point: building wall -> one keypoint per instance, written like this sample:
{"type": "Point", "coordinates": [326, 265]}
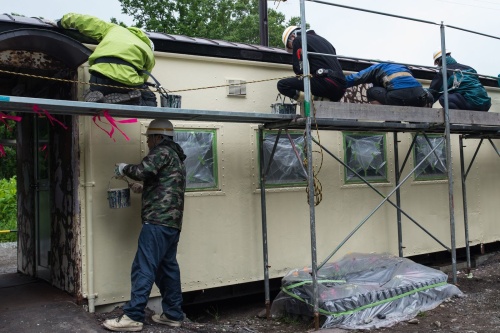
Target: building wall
{"type": "Point", "coordinates": [221, 241]}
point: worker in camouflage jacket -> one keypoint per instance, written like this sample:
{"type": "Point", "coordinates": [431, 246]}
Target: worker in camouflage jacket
{"type": "Point", "coordinates": [465, 91]}
{"type": "Point", "coordinates": [393, 84]}
{"type": "Point", "coordinates": [163, 175]}
{"type": "Point", "coordinates": [119, 60]}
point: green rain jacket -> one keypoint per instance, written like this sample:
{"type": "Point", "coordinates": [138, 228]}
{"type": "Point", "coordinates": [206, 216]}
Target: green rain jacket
{"type": "Point", "coordinates": [129, 44]}
{"type": "Point", "coordinates": [470, 87]}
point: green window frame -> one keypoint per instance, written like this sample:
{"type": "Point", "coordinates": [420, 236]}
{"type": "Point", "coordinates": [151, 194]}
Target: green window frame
{"type": "Point", "coordinates": [285, 169]}
{"type": "Point", "coordinates": [365, 153]}
{"type": "Point", "coordinates": [200, 147]}
{"type": "Point", "coordinates": [434, 167]}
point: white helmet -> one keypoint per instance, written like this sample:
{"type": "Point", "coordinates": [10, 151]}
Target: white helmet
{"type": "Point", "coordinates": [437, 55]}
{"type": "Point", "coordinates": [160, 126]}
{"type": "Point", "coordinates": [286, 34]}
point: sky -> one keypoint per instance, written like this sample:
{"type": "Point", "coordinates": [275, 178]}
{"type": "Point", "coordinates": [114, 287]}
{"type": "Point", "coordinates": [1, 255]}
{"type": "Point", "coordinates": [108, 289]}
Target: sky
{"type": "Point", "coordinates": [354, 33]}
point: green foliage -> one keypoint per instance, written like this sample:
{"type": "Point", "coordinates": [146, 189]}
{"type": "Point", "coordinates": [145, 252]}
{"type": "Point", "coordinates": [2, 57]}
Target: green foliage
{"type": "Point", "coordinates": [8, 162]}
{"type": "Point", "coordinates": [8, 209]}
{"type": "Point", "coordinates": [236, 21]}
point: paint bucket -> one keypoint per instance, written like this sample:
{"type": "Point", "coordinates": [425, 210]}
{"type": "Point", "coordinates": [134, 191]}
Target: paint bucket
{"type": "Point", "coordinates": [118, 197]}
{"type": "Point", "coordinates": [171, 101]}
{"type": "Point", "coordinates": [283, 108]}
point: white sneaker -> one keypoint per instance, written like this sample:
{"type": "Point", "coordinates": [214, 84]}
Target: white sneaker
{"type": "Point", "coordinates": [162, 319]}
{"type": "Point", "coordinates": [123, 324]}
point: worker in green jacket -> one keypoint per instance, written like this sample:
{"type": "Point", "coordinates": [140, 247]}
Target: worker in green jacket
{"type": "Point", "coordinates": [123, 59]}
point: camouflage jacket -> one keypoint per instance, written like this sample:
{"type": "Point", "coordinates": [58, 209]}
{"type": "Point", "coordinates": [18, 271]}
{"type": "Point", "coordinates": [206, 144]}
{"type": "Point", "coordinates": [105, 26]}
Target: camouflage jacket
{"type": "Point", "coordinates": [164, 178]}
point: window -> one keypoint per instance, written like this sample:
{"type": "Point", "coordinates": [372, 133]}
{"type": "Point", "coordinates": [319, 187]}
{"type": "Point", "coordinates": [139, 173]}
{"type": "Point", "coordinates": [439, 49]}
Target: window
{"type": "Point", "coordinates": [285, 169]}
{"type": "Point", "coordinates": [237, 88]}
{"type": "Point", "coordinates": [434, 167]}
{"type": "Point", "coordinates": [365, 153]}
{"type": "Point", "coordinates": [201, 162]}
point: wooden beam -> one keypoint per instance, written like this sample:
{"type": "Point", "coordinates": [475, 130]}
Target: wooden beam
{"type": "Point", "coordinates": [371, 112]}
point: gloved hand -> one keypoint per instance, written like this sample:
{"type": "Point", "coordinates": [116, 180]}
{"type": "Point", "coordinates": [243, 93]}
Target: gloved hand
{"type": "Point", "coordinates": [50, 22]}
{"type": "Point", "coordinates": [136, 187]}
{"type": "Point", "coordinates": [119, 169]}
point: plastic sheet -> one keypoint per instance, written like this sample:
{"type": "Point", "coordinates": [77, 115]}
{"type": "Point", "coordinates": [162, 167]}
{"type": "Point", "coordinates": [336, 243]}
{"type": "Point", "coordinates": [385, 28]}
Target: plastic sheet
{"type": "Point", "coordinates": [366, 157]}
{"type": "Point", "coordinates": [364, 291]}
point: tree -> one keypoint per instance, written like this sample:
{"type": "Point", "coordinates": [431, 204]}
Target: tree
{"type": "Point", "coordinates": [231, 20]}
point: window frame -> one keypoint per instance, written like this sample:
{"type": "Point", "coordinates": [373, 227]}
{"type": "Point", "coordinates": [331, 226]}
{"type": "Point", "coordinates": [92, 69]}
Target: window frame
{"type": "Point", "coordinates": [444, 175]}
{"type": "Point", "coordinates": [383, 179]}
{"type": "Point", "coordinates": [294, 184]}
{"type": "Point", "coordinates": [215, 166]}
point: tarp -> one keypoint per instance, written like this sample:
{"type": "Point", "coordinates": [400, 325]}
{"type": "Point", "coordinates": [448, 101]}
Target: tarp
{"type": "Point", "coordinates": [364, 291]}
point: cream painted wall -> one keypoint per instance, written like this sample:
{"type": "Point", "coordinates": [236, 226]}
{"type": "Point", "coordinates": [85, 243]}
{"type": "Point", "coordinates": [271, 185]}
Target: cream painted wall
{"type": "Point", "coordinates": [221, 242]}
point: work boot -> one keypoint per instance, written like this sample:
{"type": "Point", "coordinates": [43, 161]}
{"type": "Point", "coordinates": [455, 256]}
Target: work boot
{"type": "Point", "coordinates": [119, 98]}
{"type": "Point", "coordinates": [317, 98]}
{"type": "Point", "coordinates": [299, 97]}
{"type": "Point", "coordinates": [162, 319]}
{"type": "Point", "coordinates": [123, 324]}
{"type": "Point", "coordinates": [93, 96]}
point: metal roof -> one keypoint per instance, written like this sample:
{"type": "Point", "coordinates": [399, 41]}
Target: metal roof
{"type": "Point", "coordinates": [218, 48]}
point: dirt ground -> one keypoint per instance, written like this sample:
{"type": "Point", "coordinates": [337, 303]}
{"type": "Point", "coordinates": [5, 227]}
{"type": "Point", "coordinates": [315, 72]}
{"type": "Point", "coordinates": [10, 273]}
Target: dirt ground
{"type": "Point", "coordinates": [478, 311]}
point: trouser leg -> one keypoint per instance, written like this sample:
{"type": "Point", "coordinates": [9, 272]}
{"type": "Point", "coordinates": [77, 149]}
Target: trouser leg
{"type": "Point", "coordinates": [146, 261]}
{"type": "Point", "coordinates": [290, 87]}
{"type": "Point", "coordinates": [455, 101]}
{"type": "Point", "coordinates": [168, 277]}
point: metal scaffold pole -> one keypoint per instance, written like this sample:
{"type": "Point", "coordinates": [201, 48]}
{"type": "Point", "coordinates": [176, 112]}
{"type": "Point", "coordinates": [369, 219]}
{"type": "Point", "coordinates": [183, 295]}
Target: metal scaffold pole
{"type": "Point", "coordinates": [448, 155]}
{"type": "Point", "coordinates": [310, 171]}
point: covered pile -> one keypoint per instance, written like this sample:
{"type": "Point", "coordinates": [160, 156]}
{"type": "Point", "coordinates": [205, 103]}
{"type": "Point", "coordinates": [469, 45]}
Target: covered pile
{"type": "Point", "coordinates": [363, 291]}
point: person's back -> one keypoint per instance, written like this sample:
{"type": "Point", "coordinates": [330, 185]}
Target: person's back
{"type": "Point", "coordinates": [120, 63]}
{"type": "Point", "coordinates": [465, 91]}
{"type": "Point", "coordinates": [327, 78]}
{"type": "Point", "coordinates": [393, 84]}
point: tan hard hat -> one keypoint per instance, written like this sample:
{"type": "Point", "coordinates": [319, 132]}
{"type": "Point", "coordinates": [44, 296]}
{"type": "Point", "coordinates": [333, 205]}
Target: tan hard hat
{"type": "Point", "coordinates": [437, 55]}
{"type": "Point", "coordinates": [161, 127]}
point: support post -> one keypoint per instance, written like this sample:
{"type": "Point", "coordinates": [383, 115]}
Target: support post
{"type": "Point", "coordinates": [398, 193]}
{"type": "Point", "coordinates": [464, 198]}
{"type": "Point", "coordinates": [264, 223]}
{"type": "Point", "coordinates": [310, 172]}
{"type": "Point", "coordinates": [448, 157]}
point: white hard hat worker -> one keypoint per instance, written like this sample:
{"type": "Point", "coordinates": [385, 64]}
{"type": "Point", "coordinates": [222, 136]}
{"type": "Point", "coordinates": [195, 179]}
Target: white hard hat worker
{"type": "Point", "coordinates": [158, 131]}
{"type": "Point", "coordinates": [288, 35]}
{"type": "Point", "coordinates": [437, 56]}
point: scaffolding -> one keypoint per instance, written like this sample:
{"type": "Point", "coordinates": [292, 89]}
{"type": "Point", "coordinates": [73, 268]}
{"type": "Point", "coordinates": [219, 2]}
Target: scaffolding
{"type": "Point", "coordinates": [447, 122]}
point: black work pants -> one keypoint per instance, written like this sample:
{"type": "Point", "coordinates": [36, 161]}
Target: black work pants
{"type": "Point", "coordinates": [405, 97]}
{"type": "Point", "coordinates": [328, 87]}
{"type": "Point", "coordinates": [457, 101]}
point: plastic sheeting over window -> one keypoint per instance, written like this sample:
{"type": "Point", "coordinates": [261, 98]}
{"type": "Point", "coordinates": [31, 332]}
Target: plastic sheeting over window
{"type": "Point", "coordinates": [435, 165]}
{"type": "Point", "coordinates": [201, 166]}
{"type": "Point", "coordinates": [285, 168]}
{"type": "Point", "coordinates": [364, 291]}
{"type": "Point", "coordinates": [364, 153]}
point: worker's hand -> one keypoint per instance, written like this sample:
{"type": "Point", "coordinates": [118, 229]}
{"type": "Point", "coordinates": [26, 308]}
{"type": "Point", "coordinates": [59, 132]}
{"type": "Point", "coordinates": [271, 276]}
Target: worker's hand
{"type": "Point", "coordinates": [49, 22]}
{"type": "Point", "coordinates": [119, 169]}
{"type": "Point", "coordinates": [136, 187]}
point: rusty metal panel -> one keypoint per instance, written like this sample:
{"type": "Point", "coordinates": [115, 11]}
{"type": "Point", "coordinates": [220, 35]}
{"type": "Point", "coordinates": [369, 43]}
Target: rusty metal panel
{"type": "Point", "coordinates": [29, 59]}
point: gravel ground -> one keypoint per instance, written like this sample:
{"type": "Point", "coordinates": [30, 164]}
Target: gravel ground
{"type": "Point", "coordinates": [477, 312]}
{"type": "Point", "coordinates": [8, 256]}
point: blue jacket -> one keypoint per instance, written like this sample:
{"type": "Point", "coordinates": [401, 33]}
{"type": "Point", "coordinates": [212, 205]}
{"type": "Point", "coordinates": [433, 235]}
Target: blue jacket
{"type": "Point", "coordinates": [470, 87]}
{"type": "Point", "coordinates": [389, 76]}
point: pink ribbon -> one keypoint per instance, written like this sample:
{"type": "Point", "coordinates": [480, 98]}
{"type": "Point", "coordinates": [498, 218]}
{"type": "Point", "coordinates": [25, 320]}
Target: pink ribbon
{"type": "Point", "coordinates": [41, 112]}
{"type": "Point", "coordinates": [4, 116]}
{"type": "Point", "coordinates": [113, 123]}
